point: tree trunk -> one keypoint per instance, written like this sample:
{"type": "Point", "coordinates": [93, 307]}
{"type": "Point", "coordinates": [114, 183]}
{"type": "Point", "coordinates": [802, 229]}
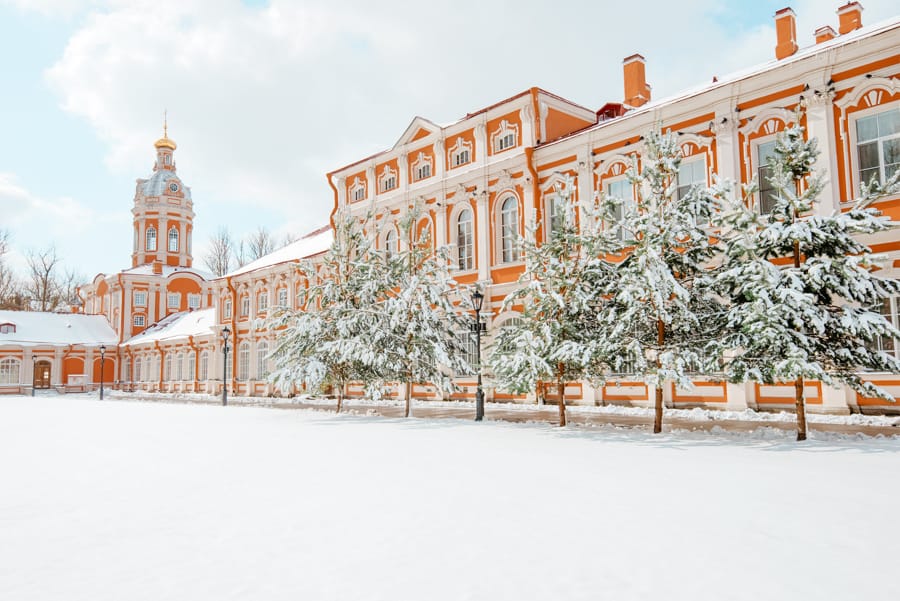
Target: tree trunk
{"type": "Point", "coordinates": [658, 413]}
{"type": "Point", "coordinates": [340, 399]}
{"type": "Point", "coordinates": [798, 385]}
{"type": "Point", "coordinates": [801, 409]}
{"type": "Point", "coordinates": [561, 392]}
{"type": "Point", "coordinates": [408, 396]}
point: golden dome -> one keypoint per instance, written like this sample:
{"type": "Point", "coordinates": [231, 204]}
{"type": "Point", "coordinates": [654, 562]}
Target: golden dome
{"type": "Point", "coordinates": [165, 142]}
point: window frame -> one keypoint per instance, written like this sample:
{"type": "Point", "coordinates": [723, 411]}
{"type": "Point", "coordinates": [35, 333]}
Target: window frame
{"type": "Point", "coordinates": [508, 244]}
{"type": "Point", "coordinates": [243, 361]}
{"type": "Point", "coordinates": [469, 243]}
{"type": "Point", "coordinates": [262, 360]}
{"type": "Point", "coordinates": [627, 203]}
{"type": "Point", "coordinates": [757, 165]}
{"type": "Point", "coordinates": [173, 240]}
{"type": "Point", "coordinates": [150, 236]}
{"type": "Point", "coordinates": [855, 118]}
{"type": "Point", "coordinates": [12, 371]}
{"type": "Point", "coordinates": [139, 318]}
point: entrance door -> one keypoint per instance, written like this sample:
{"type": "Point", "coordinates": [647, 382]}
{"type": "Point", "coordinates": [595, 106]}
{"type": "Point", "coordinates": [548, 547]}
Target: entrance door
{"type": "Point", "coordinates": [42, 374]}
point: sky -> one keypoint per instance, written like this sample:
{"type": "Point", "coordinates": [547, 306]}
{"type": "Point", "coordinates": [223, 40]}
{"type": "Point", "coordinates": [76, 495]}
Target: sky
{"type": "Point", "coordinates": [264, 97]}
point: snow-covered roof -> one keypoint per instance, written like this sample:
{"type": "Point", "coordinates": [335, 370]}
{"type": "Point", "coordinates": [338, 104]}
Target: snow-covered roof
{"type": "Point", "coordinates": [167, 270]}
{"type": "Point", "coordinates": [310, 245]}
{"type": "Point", "coordinates": [158, 184]}
{"type": "Point", "coordinates": [36, 328]}
{"type": "Point", "coordinates": [177, 325]}
{"type": "Point", "coordinates": [803, 53]}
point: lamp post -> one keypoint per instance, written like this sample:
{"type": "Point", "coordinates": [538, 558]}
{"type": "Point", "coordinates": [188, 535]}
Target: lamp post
{"type": "Point", "coordinates": [102, 361]}
{"type": "Point", "coordinates": [477, 302]}
{"type": "Point", "coordinates": [33, 374]}
{"type": "Point", "coordinates": [225, 333]}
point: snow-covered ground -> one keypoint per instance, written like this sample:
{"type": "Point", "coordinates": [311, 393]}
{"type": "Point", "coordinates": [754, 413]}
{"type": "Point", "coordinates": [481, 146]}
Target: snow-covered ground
{"type": "Point", "coordinates": [126, 500]}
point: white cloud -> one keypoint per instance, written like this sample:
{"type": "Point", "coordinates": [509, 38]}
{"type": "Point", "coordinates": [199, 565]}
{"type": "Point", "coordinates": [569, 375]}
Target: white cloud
{"type": "Point", "coordinates": [37, 222]}
{"type": "Point", "coordinates": [264, 101]}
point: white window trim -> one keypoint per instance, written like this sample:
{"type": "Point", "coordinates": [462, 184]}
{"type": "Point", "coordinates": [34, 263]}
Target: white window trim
{"type": "Point", "coordinates": [455, 232]}
{"type": "Point", "coordinates": [755, 166]}
{"type": "Point", "coordinates": [139, 318]}
{"type": "Point", "coordinates": [386, 174]}
{"type": "Point", "coordinates": [853, 162]}
{"type": "Point", "coordinates": [194, 301]}
{"type": "Point", "coordinates": [148, 237]}
{"type": "Point", "coordinates": [357, 190]}
{"type": "Point", "coordinates": [422, 162]}
{"type": "Point", "coordinates": [498, 137]}
{"type": "Point", "coordinates": [13, 370]}
{"type": "Point", "coordinates": [385, 239]}
{"type": "Point", "coordinates": [462, 145]}
{"type": "Point", "coordinates": [516, 251]}
{"type": "Point", "coordinates": [170, 296]}
{"type": "Point", "coordinates": [138, 295]}
{"type": "Point", "coordinates": [172, 236]}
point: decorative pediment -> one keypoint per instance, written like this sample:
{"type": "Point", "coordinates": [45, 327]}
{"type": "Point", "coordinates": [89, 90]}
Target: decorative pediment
{"type": "Point", "coordinates": [418, 129]}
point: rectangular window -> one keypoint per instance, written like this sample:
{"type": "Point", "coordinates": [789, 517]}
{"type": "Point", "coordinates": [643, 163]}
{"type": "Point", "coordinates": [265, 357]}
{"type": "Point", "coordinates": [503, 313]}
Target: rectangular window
{"type": "Point", "coordinates": [140, 299]}
{"type": "Point", "coordinates": [878, 145]}
{"type": "Point", "coordinates": [282, 297]}
{"type": "Point", "coordinates": [245, 306]}
{"type": "Point", "coordinates": [262, 302]}
{"type": "Point", "coordinates": [388, 183]}
{"type": "Point", "coordinates": [226, 308]}
{"type": "Point", "coordinates": [423, 172]}
{"type": "Point", "coordinates": [504, 142]}
{"type": "Point", "coordinates": [622, 189]}
{"type": "Point", "coordinates": [461, 158]}
{"type": "Point", "coordinates": [469, 351]}
{"type": "Point", "coordinates": [359, 193]}
{"type": "Point", "coordinates": [767, 194]}
{"type": "Point", "coordinates": [174, 300]}
{"type": "Point", "coordinates": [690, 174]}
{"type": "Point", "coordinates": [139, 321]}
{"type": "Point", "coordinates": [556, 209]}
{"type": "Point", "coordinates": [890, 309]}
{"type": "Point", "coordinates": [193, 301]}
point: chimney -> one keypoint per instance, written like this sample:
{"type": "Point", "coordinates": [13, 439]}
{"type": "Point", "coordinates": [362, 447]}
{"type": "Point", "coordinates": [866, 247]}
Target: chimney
{"type": "Point", "coordinates": [157, 268]}
{"type": "Point", "coordinates": [637, 92]}
{"type": "Point", "coordinates": [825, 33]}
{"type": "Point", "coordinates": [786, 33]}
{"type": "Point", "coordinates": [849, 17]}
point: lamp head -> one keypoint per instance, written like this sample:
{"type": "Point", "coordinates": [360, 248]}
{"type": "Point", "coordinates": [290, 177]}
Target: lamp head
{"type": "Point", "coordinates": [477, 300]}
{"type": "Point", "coordinates": [226, 333]}
{"type": "Point", "coordinates": [102, 350]}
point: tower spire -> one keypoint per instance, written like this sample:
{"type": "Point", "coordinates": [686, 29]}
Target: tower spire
{"type": "Point", "coordinates": [165, 123]}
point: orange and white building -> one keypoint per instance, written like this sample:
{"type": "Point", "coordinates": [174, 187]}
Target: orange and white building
{"type": "Point", "coordinates": [484, 177]}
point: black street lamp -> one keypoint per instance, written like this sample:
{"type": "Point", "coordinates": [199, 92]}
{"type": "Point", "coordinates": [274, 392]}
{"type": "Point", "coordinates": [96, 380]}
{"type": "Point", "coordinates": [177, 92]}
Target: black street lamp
{"type": "Point", "coordinates": [33, 374]}
{"type": "Point", "coordinates": [477, 302]}
{"type": "Point", "coordinates": [225, 333]}
{"type": "Point", "coordinates": [102, 361]}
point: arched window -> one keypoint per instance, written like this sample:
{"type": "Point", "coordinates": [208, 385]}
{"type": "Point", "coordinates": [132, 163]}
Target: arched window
{"type": "Point", "coordinates": [173, 239]}
{"type": "Point", "coordinates": [465, 242]}
{"type": "Point", "coordinates": [262, 360]}
{"type": "Point", "coordinates": [9, 371]}
{"type": "Point", "coordinates": [151, 238]}
{"type": "Point", "coordinates": [204, 366]}
{"type": "Point", "coordinates": [167, 369]}
{"type": "Point", "coordinates": [244, 361]}
{"type": "Point", "coordinates": [390, 242]}
{"type": "Point", "coordinates": [137, 369]}
{"type": "Point", "coordinates": [179, 365]}
{"type": "Point", "coordinates": [509, 229]}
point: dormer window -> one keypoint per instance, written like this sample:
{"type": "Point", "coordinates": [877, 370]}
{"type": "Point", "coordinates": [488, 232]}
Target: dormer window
{"type": "Point", "coordinates": [358, 190]}
{"type": "Point", "coordinates": [7, 328]}
{"type": "Point", "coordinates": [505, 137]}
{"type": "Point", "coordinates": [421, 167]}
{"type": "Point", "coordinates": [387, 181]}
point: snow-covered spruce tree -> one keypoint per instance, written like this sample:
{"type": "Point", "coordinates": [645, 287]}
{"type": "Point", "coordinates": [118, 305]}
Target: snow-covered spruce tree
{"type": "Point", "coordinates": [328, 341]}
{"type": "Point", "coordinates": [419, 329]}
{"type": "Point", "coordinates": [564, 280]}
{"type": "Point", "coordinates": [804, 298]}
{"type": "Point", "coordinates": [661, 319]}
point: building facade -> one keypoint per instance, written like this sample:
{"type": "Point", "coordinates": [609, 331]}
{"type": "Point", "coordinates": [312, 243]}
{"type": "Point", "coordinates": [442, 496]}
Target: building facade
{"type": "Point", "coordinates": [485, 177]}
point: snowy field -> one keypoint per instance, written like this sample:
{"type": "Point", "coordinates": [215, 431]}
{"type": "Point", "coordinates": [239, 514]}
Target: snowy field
{"type": "Point", "coordinates": [148, 501]}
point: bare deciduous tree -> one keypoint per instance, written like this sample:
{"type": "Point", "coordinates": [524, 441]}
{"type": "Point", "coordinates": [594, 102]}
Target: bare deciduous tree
{"type": "Point", "coordinates": [11, 296]}
{"type": "Point", "coordinates": [219, 256]}
{"type": "Point", "coordinates": [42, 285]}
{"type": "Point", "coordinates": [259, 244]}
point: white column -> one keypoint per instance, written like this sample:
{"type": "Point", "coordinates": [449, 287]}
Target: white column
{"type": "Point", "coordinates": [440, 222]}
{"type": "Point", "coordinates": [820, 125]}
{"type": "Point", "coordinates": [56, 376]}
{"type": "Point", "coordinates": [481, 143]}
{"type": "Point", "coordinates": [728, 147]}
{"type": "Point", "coordinates": [736, 396]}
{"type": "Point", "coordinates": [440, 158]}
{"type": "Point", "coordinates": [483, 233]}
{"type": "Point", "coordinates": [182, 243]}
{"type": "Point", "coordinates": [834, 400]}
{"type": "Point", "coordinates": [528, 134]}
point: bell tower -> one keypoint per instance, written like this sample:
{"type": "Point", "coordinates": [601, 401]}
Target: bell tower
{"type": "Point", "coordinates": [163, 212]}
